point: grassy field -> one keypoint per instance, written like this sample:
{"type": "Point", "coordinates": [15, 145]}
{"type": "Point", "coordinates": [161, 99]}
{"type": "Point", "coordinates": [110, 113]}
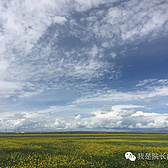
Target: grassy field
{"type": "Point", "coordinates": [83, 150]}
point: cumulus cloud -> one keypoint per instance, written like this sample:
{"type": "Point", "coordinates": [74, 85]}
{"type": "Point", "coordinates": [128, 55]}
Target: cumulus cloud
{"type": "Point", "coordinates": [1, 121]}
{"type": "Point", "coordinates": [119, 117]}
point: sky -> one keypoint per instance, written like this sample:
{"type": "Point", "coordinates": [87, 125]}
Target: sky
{"type": "Point", "coordinates": [84, 65]}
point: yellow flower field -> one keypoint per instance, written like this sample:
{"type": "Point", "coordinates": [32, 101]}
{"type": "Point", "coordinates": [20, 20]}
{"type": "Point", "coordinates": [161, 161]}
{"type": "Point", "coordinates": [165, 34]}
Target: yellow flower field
{"type": "Point", "coordinates": [83, 150]}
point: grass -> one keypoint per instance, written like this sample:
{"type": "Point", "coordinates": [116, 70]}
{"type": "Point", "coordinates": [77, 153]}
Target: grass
{"type": "Point", "coordinates": [81, 150]}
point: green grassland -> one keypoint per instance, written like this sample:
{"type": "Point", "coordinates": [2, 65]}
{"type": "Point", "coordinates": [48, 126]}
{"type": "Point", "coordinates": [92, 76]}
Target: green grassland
{"type": "Point", "coordinates": [82, 150]}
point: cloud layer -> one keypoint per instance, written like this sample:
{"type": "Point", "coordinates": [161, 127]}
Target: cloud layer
{"type": "Point", "coordinates": [76, 45]}
{"type": "Point", "coordinates": [64, 41]}
{"type": "Point", "coordinates": [115, 118]}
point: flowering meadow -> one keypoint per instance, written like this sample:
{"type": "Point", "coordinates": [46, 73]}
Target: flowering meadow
{"type": "Point", "coordinates": [83, 150]}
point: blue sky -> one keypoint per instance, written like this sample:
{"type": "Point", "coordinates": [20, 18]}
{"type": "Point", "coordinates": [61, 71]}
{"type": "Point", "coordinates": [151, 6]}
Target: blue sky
{"type": "Point", "coordinates": [84, 65]}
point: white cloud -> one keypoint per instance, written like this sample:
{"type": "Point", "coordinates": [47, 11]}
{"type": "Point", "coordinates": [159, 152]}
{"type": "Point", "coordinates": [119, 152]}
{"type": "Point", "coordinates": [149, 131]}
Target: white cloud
{"type": "Point", "coordinates": [3, 65]}
{"type": "Point", "coordinates": [3, 68]}
{"type": "Point", "coordinates": [163, 81]}
{"type": "Point", "coordinates": [9, 88]}
{"type": "Point", "coordinates": [159, 91]}
{"type": "Point", "coordinates": [1, 121]}
{"type": "Point", "coordinates": [106, 44]}
{"type": "Point", "coordinates": [113, 55]}
{"type": "Point", "coordinates": [147, 91]}
{"type": "Point", "coordinates": [44, 45]}
{"type": "Point", "coordinates": [35, 34]}
{"type": "Point", "coordinates": [59, 19]}
{"type": "Point", "coordinates": [131, 21]}
{"type": "Point", "coordinates": [83, 5]}
{"type": "Point", "coordinates": [119, 107]}
{"type": "Point", "coordinates": [120, 117]}
{"type": "Point", "coordinates": [149, 100]}
{"type": "Point", "coordinates": [146, 82]}
{"type": "Point", "coordinates": [113, 95]}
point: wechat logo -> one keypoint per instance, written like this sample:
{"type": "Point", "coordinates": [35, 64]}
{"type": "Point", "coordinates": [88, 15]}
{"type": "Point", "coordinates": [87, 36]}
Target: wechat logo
{"type": "Point", "coordinates": [130, 156]}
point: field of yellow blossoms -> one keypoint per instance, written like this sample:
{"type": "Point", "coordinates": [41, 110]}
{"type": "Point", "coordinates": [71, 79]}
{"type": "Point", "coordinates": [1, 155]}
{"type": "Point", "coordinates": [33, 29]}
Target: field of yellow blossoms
{"type": "Point", "coordinates": [83, 150]}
